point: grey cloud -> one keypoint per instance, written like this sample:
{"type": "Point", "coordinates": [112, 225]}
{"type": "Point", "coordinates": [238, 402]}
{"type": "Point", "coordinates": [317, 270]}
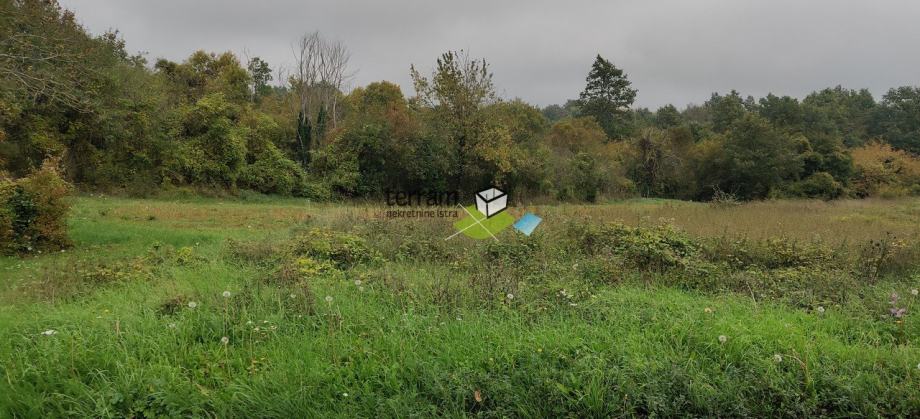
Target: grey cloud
{"type": "Point", "coordinates": [675, 51]}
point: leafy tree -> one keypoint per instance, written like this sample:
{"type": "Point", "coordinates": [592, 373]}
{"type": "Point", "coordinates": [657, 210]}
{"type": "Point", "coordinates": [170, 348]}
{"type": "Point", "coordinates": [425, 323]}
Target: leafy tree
{"type": "Point", "coordinates": [381, 134]}
{"type": "Point", "coordinates": [839, 112]}
{"type": "Point", "coordinates": [751, 160]}
{"type": "Point", "coordinates": [668, 116]}
{"type": "Point", "coordinates": [583, 164]}
{"type": "Point", "coordinates": [212, 149]}
{"type": "Point", "coordinates": [509, 156]}
{"type": "Point", "coordinates": [658, 163]}
{"type": "Point", "coordinates": [725, 110]}
{"type": "Point", "coordinates": [554, 113]}
{"type": "Point", "coordinates": [607, 97]}
{"type": "Point", "coordinates": [46, 56]}
{"type": "Point", "coordinates": [260, 74]}
{"type": "Point", "coordinates": [783, 112]}
{"type": "Point", "coordinates": [206, 73]}
{"type": "Point", "coordinates": [897, 119]}
{"type": "Point", "coordinates": [456, 94]}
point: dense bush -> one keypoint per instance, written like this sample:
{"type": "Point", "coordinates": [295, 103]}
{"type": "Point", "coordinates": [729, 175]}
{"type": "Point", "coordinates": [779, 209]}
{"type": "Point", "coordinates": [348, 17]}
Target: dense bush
{"type": "Point", "coordinates": [818, 185]}
{"type": "Point", "coordinates": [657, 248]}
{"type": "Point", "coordinates": [884, 171]}
{"type": "Point", "coordinates": [273, 173]}
{"type": "Point", "coordinates": [33, 212]}
{"type": "Point", "coordinates": [212, 122]}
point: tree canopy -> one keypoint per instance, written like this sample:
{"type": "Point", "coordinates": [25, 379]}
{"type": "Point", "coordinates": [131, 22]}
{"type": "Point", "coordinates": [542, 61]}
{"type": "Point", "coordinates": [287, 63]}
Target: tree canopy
{"type": "Point", "coordinates": [215, 122]}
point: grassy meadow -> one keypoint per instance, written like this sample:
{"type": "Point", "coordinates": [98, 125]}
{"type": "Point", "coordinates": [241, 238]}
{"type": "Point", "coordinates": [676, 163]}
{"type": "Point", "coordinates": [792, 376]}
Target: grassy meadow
{"type": "Point", "coordinates": [281, 307]}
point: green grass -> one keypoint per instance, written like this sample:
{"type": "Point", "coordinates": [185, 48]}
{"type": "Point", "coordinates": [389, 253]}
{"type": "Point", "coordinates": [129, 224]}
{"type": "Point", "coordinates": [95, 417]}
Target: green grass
{"type": "Point", "coordinates": [423, 331]}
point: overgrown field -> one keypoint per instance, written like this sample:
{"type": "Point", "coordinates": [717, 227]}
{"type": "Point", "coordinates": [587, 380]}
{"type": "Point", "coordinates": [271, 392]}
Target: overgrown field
{"type": "Point", "coordinates": [281, 308]}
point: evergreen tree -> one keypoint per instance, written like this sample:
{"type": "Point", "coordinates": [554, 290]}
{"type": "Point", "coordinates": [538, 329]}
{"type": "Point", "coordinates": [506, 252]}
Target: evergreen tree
{"type": "Point", "coordinates": [607, 97]}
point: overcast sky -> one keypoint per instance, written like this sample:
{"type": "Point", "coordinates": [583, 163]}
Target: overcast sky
{"type": "Point", "coordinates": [674, 51]}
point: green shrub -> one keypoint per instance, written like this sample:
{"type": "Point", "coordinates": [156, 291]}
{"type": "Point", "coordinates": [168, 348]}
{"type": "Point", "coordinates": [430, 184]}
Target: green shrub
{"type": "Point", "coordinates": [273, 173]}
{"type": "Point", "coordinates": [341, 249]}
{"type": "Point", "coordinates": [656, 248]}
{"type": "Point", "coordinates": [33, 212]}
{"type": "Point", "coordinates": [818, 185]}
{"type": "Point", "coordinates": [773, 253]}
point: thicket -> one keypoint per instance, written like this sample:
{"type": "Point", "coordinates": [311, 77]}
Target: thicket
{"type": "Point", "coordinates": [212, 122]}
{"type": "Point", "coordinates": [33, 212]}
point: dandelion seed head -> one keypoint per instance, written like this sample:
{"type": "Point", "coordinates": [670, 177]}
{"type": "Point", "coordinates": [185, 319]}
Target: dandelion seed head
{"type": "Point", "coordinates": [358, 282]}
{"type": "Point", "coordinates": [777, 358]}
{"type": "Point", "coordinates": [226, 294]}
{"type": "Point", "coordinates": [820, 310]}
{"type": "Point", "coordinates": [171, 325]}
{"type": "Point", "coordinates": [510, 296]}
{"type": "Point", "coordinates": [292, 296]}
{"type": "Point", "coordinates": [225, 340]}
{"type": "Point", "coordinates": [723, 338]}
{"type": "Point", "coordinates": [914, 291]}
{"type": "Point", "coordinates": [49, 332]}
{"type": "Point", "coordinates": [192, 304]}
{"type": "Point", "coordinates": [328, 298]}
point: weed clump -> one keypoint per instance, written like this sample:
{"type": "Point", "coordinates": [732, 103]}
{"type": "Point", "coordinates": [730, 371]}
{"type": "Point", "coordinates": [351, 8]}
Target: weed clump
{"type": "Point", "coordinates": [342, 250]}
{"type": "Point", "coordinates": [651, 249]}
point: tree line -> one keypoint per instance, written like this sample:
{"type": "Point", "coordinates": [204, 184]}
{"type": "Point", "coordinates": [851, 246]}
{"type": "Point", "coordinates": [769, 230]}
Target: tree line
{"type": "Point", "coordinates": [115, 122]}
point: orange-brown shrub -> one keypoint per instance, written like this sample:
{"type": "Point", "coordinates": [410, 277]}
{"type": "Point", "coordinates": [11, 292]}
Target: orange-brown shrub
{"type": "Point", "coordinates": [33, 211]}
{"type": "Point", "coordinates": [885, 172]}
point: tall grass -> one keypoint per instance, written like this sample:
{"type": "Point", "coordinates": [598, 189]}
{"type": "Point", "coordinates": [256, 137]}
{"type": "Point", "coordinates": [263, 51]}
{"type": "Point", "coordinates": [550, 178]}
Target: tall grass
{"type": "Point", "coordinates": [635, 308]}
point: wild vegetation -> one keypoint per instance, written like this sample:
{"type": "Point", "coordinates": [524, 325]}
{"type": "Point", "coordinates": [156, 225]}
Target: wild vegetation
{"type": "Point", "coordinates": [207, 238]}
{"type": "Point", "coordinates": [214, 123]}
{"type": "Point", "coordinates": [203, 307]}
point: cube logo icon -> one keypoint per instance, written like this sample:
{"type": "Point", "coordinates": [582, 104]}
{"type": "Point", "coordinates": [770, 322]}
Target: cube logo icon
{"type": "Point", "coordinates": [491, 201]}
{"type": "Point", "coordinates": [488, 217]}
